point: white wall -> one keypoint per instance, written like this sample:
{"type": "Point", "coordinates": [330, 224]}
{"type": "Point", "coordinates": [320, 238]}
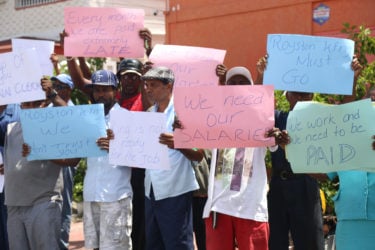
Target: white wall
{"type": "Point", "coordinates": [47, 21]}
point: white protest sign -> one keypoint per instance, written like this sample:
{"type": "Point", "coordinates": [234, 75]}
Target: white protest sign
{"type": "Point", "coordinates": [136, 142]}
{"type": "Point", "coordinates": [44, 49]}
{"type": "Point", "coordinates": [20, 76]}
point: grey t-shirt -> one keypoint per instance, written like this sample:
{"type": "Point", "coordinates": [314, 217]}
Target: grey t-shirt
{"type": "Point", "coordinates": [28, 182]}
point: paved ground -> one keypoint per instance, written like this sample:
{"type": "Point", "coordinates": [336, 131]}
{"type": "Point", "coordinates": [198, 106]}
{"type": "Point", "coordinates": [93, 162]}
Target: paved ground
{"type": "Point", "coordinates": [76, 240]}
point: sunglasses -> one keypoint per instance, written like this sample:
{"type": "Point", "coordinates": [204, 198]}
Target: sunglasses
{"type": "Point", "coordinates": [59, 86]}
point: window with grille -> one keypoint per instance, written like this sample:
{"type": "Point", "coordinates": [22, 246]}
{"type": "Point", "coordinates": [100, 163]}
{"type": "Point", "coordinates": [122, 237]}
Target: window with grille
{"type": "Point", "coordinates": [29, 3]}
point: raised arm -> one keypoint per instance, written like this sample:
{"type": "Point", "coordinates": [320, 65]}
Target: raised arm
{"type": "Point", "coordinates": [221, 71]}
{"type": "Point", "coordinates": [51, 94]}
{"type": "Point", "coordinates": [75, 71]}
{"type": "Point", "coordinates": [146, 35]}
{"type": "Point", "coordinates": [55, 62]}
{"type": "Point", "coordinates": [86, 72]}
{"type": "Point", "coordinates": [77, 77]}
{"type": "Point", "coordinates": [261, 67]}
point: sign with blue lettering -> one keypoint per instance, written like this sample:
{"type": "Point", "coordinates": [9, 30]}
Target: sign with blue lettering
{"type": "Point", "coordinates": [327, 138]}
{"type": "Point", "coordinates": [310, 64]}
{"type": "Point", "coordinates": [63, 132]}
{"type": "Point", "coordinates": [20, 75]}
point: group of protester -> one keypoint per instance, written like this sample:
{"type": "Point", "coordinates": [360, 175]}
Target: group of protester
{"type": "Point", "coordinates": [131, 208]}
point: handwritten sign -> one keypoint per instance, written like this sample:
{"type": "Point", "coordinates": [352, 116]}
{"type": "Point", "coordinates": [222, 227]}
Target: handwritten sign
{"type": "Point", "coordinates": [44, 49]}
{"type": "Point", "coordinates": [63, 132]}
{"type": "Point", "coordinates": [224, 116]}
{"type": "Point", "coordinates": [310, 64]}
{"type": "Point", "coordinates": [327, 138]}
{"type": "Point", "coordinates": [103, 32]}
{"type": "Point", "coordinates": [192, 66]}
{"type": "Point", "coordinates": [136, 142]}
{"type": "Point", "coordinates": [20, 75]}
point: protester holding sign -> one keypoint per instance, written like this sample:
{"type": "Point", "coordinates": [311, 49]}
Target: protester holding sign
{"type": "Point", "coordinates": [169, 192]}
{"type": "Point", "coordinates": [33, 192]}
{"type": "Point", "coordinates": [299, 191]}
{"type": "Point", "coordinates": [355, 202]}
{"type": "Point", "coordinates": [62, 85]}
{"type": "Point", "coordinates": [107, 192]}
{"type": "Point", "coordinates": [131, 96]}
{"type": "Point", "coordinates": [293, 199]}
{"type": "Point", "coordinates": [237, 175]}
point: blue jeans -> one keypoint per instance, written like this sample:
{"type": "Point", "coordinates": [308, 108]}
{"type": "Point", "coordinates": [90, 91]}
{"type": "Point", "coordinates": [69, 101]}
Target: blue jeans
{"type": "Point", "coordinates": [66, 213]}
{"type": "Point", "coordinates": [169, 223]}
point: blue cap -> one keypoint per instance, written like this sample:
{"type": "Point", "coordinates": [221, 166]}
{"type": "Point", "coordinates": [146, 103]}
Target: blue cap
{"type": "Point", "coordinates": [104, 78]}
{"type": "Point", "coordinates": [65, 79]}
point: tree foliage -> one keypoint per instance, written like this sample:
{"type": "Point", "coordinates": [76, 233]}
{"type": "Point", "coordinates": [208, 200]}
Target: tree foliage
{"type": "Point", "coordinates": [364, 48]}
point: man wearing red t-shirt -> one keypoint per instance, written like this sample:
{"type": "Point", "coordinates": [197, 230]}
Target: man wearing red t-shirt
{"type": "Point", "coordinates": [131, 95]}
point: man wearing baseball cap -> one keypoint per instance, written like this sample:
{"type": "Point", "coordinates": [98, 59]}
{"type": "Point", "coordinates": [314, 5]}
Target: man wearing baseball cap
{"type": "Point", "coordinates": [169, 193]}
{"type": "Point", "coordinates": [107, 192]}
{"type": "Point", "coordinates": [132, 97]}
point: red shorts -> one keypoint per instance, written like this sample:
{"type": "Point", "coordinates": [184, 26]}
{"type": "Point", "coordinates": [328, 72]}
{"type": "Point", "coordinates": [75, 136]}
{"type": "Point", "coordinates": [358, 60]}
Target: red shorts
{"type": "Point", "coordinates": [249, 234]}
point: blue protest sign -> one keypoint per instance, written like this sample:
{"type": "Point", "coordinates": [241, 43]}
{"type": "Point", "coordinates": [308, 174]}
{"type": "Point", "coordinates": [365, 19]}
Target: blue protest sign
{"type": "Point", "coordinates": [63, 132]}
{"type": "Point", "coordinates": [310, 64]}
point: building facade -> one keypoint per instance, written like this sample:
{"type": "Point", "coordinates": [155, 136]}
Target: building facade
{"type": "Point", "coordinates": [241, 27]}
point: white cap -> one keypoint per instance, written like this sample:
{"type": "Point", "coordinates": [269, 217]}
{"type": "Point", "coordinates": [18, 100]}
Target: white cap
{"type": "Point", "coordinates": [239, 71]}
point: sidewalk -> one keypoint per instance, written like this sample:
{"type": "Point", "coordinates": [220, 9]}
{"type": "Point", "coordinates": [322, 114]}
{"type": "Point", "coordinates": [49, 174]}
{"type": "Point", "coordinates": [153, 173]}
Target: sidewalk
{"type": "Point", "coordinates": [76, 239]}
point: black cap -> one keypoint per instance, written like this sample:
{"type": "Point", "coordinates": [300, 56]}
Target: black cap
{"type": "Point", "coordinates": [130, 66]}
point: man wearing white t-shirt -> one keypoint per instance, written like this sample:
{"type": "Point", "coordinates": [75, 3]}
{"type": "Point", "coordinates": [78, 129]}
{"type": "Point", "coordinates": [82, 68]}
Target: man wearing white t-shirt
{"type": "Point", "coordinates": [236, 208]}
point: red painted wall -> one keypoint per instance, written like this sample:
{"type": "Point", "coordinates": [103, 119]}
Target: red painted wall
{"type": "Point", "coordinates": [241, 26]}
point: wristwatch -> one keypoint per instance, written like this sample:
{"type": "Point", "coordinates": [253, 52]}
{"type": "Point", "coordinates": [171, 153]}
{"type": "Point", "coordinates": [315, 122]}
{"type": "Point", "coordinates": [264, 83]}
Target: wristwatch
{"type": "Point", "coordinates": [52, 95]}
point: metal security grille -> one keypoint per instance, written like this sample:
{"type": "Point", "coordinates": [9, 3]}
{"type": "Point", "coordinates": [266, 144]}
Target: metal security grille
{"type": "Point", "coordinates": [29, 3]}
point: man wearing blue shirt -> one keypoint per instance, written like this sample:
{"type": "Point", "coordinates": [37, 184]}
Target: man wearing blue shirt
{"type": "Point", "coordinates": [169, 193]}
{"type": "Point", "coordinates": [107, 192]}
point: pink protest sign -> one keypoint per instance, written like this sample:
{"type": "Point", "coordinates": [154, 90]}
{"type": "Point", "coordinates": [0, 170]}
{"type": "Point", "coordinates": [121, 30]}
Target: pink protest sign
{"type": "Point", "coordinates": [224, 116]}
{"type": "Point", "coordinates": [192, 66]}
{"type": "Point", "coordinates": [103, 32]}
